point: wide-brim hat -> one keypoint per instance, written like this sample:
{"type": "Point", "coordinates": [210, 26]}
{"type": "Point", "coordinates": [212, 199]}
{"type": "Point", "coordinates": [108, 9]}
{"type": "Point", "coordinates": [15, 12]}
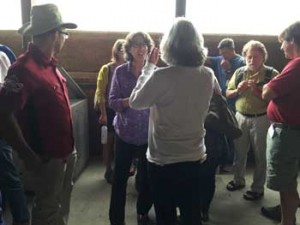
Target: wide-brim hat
{"type": "Point", "coordinates": [44, 18]}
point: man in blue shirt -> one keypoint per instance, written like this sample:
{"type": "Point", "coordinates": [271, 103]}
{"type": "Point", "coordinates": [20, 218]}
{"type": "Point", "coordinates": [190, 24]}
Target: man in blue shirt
{"type": "Point", "coordinates": [224, 66]}
{"type": "Point", "coordinates": [226, 63]}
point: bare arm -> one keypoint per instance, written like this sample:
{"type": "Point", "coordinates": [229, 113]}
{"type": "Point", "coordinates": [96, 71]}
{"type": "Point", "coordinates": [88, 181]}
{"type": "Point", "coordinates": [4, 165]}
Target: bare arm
{"type": "Point", "coordinates": [267, 93]}
{"type": "Point", "coordinates": [103, 116]}
{"type": "Point", "coordinates": [241, 88]}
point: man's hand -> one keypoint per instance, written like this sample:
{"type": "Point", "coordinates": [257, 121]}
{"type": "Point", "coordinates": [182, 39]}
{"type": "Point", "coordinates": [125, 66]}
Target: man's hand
{"type": "Point", "coordinates": [225, 64]}
{"type": "Point", "coordinates": [31, 160]}
{"type": "Point", "coordinates": [243, 86]}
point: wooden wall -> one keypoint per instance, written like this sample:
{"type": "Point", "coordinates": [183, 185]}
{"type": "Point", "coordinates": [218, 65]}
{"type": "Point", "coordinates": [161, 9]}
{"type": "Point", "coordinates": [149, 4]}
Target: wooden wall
{"type": "Point", "coordinates": [85, 52]}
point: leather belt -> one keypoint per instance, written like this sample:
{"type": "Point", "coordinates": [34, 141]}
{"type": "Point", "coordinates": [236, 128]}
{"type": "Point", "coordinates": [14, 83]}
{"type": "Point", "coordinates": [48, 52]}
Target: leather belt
{"type": "Point", "coordinates": [253, 115]}
{"type": "Point", "coordinates": [286, 126]}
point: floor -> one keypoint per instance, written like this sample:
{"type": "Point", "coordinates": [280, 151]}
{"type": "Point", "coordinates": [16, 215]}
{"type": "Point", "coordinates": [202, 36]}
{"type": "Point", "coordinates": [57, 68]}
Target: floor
{"type": "Point", "coordinates": [91, 195]}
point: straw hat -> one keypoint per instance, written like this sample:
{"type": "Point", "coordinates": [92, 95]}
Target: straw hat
{"type": "Point", "coordinates": [44, 18]}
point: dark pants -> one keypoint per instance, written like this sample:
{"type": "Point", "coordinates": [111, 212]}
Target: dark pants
{"type": "Point", "coordinates": [209, 185]}
{"type": "Point", "coordinates": [124, 155]}
{"type": "Point", "coordinates": [227, 151]}
{"type": "Point", "coordinates": [177, 185]}
{"type": "Point", "coordinates": [11, 185]}
{"type": "Point", "coordinates": [1, 213]}
{"type": "Point", "coordinates": [214, 145]}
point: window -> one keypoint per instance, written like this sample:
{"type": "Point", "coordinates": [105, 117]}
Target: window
{"type": "Point", "coordinates": [10, 16]}
{"type": "Point", "coordinates": [210, 16]}
{"type": "Point", "coordinates": [237, 17]}
{"type": "Point", "coordinates": [117, 15]}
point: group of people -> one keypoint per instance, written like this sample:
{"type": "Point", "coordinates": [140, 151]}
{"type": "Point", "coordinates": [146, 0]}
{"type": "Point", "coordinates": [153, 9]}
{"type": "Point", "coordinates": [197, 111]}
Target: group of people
{"type": "Point", "coordinates": [241, 79]}
{"type": "Point", "coordinates": [158, 116]}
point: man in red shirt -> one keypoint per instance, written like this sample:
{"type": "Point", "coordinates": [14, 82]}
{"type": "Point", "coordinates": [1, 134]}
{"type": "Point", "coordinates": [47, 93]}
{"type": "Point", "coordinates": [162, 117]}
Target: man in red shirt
{"type": "Point", "coordinates": [283, 140]}
{"type": "Point", "coordinates": [35, 115]}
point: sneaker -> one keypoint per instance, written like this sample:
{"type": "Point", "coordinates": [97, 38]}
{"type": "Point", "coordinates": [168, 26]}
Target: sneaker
{"type": "Point", "coordinates": [253, 195]}
{"type": "Point", "coordinates": [273, 213]}
{"type": "Point", "coordinates": [232, 186]}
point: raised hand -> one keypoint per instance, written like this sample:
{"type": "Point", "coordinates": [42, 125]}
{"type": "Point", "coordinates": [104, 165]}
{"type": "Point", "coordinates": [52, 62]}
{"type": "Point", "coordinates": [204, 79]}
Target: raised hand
{"type": "Point", "coordinates": [154, 56]}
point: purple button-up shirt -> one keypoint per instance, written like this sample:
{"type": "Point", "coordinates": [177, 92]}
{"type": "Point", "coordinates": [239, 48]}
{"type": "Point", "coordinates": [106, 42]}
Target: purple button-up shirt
{"type": "Point", "coordinates": [131, 125]}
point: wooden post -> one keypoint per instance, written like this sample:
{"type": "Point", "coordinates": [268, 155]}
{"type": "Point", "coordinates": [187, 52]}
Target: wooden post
{"type": "Point", "coordinates": [180, 8]}
{"type": "Point", "coordinates": [25, 9]}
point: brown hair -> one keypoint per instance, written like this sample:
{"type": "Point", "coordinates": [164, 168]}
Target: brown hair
{"type": "Point", "coordinates": [129, 42]}
{"type": "Point", "coordinates": [290, 33]}
{"type": "Point", "coordinates": [118, 46]}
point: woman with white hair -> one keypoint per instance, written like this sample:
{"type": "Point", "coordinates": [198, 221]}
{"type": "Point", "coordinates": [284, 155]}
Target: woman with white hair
{"type": "Point", "coordinates": [178, 97]}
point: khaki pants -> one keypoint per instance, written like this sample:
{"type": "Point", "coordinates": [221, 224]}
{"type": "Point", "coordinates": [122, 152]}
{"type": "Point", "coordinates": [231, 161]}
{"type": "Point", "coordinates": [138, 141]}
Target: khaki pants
{"type": "Point", "coordinates": [52, 185]}
{"type": "Point", "coordinates": [254, 133]}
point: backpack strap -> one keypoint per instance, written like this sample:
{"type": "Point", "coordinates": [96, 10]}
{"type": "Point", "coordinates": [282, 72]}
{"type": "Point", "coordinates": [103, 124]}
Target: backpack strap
{"type": "Point", "coordinates": [239, 76]}
{"type": "Point", "coordinates": [268, 76]}
{"type": "Point", "coordinates": [268, 73]}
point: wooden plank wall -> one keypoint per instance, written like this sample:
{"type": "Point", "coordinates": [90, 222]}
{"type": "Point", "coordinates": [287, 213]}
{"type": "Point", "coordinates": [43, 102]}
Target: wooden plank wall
{"type": "Point", "coordinates": [85, 52]}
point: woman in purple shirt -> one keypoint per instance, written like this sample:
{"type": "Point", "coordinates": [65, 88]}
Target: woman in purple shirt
{"type": "Point", "coordinates": [131, 128]}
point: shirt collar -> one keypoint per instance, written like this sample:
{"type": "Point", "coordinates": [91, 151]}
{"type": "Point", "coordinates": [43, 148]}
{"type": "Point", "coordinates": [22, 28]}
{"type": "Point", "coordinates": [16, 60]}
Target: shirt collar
{"type": "Point", "coordinates": [40, 57]}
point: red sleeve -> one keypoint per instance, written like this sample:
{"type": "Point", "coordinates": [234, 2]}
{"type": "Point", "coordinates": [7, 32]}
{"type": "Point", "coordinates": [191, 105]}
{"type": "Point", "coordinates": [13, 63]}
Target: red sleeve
{"type": "Point", "coordinates": [288, 80]}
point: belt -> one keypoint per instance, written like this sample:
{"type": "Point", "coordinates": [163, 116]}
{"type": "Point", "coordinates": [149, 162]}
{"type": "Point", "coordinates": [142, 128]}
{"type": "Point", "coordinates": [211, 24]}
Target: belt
{"type": "Point", "coordinates": [253, 115]}
{"type": "Point", "coordinates": [286, 126]}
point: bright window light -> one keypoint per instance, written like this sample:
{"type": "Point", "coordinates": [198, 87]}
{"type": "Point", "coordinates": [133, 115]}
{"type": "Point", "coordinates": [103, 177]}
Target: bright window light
{"type": "Point", "coordinates": [260, 17]}
{"type": "Point", "coordinates": [210, 16]}
{"type": "Point", "coordinates": [10, 16]}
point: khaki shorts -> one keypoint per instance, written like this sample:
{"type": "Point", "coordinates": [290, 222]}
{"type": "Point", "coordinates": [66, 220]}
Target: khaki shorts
{"type": "Point", "coordinates": [283, 154]}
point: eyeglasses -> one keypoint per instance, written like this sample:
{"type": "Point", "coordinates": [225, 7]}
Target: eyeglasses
{"type": "Point", "coordinates": [139, 45]}
{"type": "Point", "coordinates": [65, 34]}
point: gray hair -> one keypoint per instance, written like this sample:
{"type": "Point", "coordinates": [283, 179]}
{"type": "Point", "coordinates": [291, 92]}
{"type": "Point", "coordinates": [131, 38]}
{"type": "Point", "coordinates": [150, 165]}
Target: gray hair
{"type": "Point", "coordinates": [257, 45]}
{"type": "Point", "coordinates": [183, 45]}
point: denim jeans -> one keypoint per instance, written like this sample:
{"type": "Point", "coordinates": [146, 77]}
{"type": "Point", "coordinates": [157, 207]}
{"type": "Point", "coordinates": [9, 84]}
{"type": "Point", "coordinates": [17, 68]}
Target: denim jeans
{"type": "Point", "coordinates": [11, 184]}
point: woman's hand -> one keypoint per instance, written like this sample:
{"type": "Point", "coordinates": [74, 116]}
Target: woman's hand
{"type": "Point", "coordinates": [102, 119]}
{"type": "Point", "coordinates": [154, 56]}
